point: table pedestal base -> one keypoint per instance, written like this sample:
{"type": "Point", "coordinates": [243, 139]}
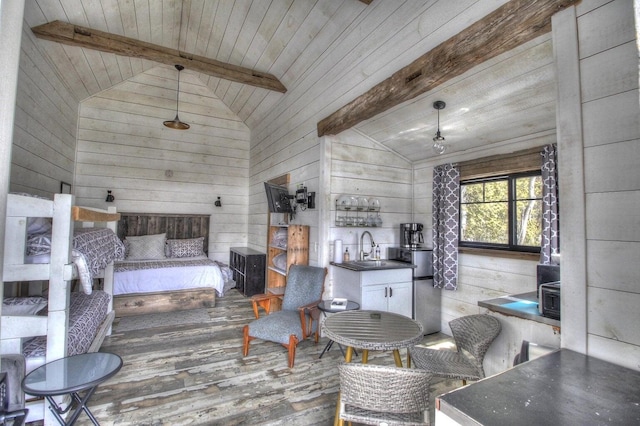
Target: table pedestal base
{"type": "Point", "coordinates": [81, 406]}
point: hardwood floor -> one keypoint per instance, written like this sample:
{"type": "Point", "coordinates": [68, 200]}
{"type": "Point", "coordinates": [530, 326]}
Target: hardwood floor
{"type": "Point", "coordinates": [195, 374]}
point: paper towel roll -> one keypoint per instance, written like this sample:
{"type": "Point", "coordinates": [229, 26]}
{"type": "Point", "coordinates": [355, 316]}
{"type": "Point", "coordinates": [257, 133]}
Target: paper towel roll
{"type": "Point", "coordinates": [337, 251]}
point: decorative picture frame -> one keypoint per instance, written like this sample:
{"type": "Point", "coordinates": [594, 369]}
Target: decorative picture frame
{"type": "Point", "coordinates": [65, 188]}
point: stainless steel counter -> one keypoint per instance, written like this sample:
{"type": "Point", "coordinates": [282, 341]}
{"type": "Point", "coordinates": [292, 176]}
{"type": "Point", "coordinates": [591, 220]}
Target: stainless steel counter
{"type": "Point", "coordinates": [561, 388]}
{"type": "Point", "coordinates": [373, 265]}
{"type": "Point", "coordinates": [523, 305]}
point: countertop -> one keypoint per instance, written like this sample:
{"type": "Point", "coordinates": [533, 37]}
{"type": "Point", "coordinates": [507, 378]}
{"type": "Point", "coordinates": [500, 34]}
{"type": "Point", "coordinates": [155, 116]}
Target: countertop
{"type": "Point", "coordinates": [373, 265]}
{"type": "Point", "coordinates": [560, 388]}
{"type": "Point", "coordinates": [523, 305]}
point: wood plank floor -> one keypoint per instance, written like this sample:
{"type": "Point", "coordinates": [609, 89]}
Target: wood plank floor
{"type": "Point", "coordinates": [194, 374]}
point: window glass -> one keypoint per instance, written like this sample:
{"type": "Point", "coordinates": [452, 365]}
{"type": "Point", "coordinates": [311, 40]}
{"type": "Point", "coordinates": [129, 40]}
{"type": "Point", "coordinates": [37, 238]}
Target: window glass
{"type": "Point", "coordinates": [502, 212]}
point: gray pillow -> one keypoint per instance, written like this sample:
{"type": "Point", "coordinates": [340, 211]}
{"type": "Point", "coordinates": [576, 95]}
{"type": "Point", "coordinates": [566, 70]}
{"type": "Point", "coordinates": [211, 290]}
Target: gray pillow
{"type": "Point", "coordinates": [146, 247]}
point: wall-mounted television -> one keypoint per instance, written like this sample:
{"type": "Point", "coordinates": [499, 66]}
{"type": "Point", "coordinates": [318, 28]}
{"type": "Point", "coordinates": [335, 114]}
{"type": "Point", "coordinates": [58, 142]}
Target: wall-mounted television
{"type": "Point", "coordinates": [278, 198]}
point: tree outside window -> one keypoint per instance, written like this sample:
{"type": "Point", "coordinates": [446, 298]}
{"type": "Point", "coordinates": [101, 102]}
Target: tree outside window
{"type": "Point", "coordinates": [503, 212]}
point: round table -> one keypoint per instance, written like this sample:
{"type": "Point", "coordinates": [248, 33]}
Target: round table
{"type": "Point", "coordinates": [325, 306]}
{"type": "Point", "coordinates": [373, 330]}
{"type": "Point", "coordinates": [71, 375]}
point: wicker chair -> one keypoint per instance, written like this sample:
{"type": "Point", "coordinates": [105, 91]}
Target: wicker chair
{"type": "Point", "coordinates": [374, 395]}
{"type": "Point", "coordinates": [299, 317]}
{"type": "Point", "coordinates": [473, 334]}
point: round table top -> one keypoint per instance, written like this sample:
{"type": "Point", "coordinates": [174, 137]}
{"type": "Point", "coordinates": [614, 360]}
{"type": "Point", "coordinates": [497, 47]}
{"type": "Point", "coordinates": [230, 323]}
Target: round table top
{"type": "Point", "coordinates": [325, 306]}
{"type": "Point", "coordinates": [72, 374]}
{"type": "Point", "coordinates": [373, 330]}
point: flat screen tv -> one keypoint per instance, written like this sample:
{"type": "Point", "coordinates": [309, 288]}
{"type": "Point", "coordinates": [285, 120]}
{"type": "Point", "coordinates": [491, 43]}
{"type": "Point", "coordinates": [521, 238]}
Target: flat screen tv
{"type": "Point", "coordinates": [278, 198]}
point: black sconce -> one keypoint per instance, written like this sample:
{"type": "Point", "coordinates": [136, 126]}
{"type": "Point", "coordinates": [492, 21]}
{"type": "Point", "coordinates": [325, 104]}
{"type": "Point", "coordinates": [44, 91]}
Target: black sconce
{"type": "Point", "coordinates": [110, 198]}
{"type": "Point", "coordinates": [218, 202]}
{"type": "Point", "coordinates": [305, 199]}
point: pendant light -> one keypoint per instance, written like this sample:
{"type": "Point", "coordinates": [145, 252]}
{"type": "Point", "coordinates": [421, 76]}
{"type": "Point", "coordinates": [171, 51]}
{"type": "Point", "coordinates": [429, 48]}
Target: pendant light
{"type": "Point", "coordinates": [438, 141]}
{"type": "Point", "coordinates": [176, 123]}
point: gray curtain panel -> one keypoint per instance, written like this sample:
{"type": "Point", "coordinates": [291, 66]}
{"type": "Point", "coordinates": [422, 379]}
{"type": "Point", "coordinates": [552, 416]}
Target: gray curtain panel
{"type": "Point", "coordinates": [550, 243]}
{"type": "Point", "coordinates": [446, 216]}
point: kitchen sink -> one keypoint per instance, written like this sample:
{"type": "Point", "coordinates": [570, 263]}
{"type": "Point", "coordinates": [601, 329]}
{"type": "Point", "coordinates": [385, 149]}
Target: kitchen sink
{"type": "Point", "coordinates": [369, 262]}
{"type": "Point", "coordinates": [367, 265]}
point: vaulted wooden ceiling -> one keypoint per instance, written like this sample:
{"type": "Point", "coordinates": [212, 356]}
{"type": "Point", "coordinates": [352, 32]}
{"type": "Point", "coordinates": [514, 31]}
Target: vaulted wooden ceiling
{"type": "Point", "coordinates": [286, 39]}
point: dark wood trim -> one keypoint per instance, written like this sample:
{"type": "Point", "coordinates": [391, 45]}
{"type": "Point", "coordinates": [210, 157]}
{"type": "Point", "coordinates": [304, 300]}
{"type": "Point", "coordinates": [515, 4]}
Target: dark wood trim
{"type": "Point", "coordinates": [500, 253]}
{"type": "Point", "coordinates": [176, 226]}
{"type": "Point", "coordinates": [515, 162]}
{"type": "Point", "coordinates": [76, 35]}
{"type": "Point", "coordinates": [509, 26]}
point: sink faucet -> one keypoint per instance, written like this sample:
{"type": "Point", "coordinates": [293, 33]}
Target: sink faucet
{"type": "Point", "coordinates": [363, 255]}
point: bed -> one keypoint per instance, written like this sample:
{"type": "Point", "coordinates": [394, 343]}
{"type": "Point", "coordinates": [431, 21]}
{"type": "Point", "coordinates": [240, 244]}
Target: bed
{"type": "Point", "coordinates": [167, 267]}
{"type": "Point", "coordinates": [53, 241]}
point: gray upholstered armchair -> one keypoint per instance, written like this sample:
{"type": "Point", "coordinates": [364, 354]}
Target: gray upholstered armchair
{"type": "Point", "coordinates": [298, 318]}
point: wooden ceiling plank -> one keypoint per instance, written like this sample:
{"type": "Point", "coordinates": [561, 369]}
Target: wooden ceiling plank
{"type": "Point", "coordinates": [76, 35]}
{"type": "Point", "coordinates": [509, 26]}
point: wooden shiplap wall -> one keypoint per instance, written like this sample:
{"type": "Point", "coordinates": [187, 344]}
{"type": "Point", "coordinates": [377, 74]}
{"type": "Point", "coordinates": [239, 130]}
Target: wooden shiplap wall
{"type": "Point", "coordinates": [44, 139]}
{"type": "Point", "coordinates": [123, 146]}
{"type": "Point", "coordinates": [608, 50]}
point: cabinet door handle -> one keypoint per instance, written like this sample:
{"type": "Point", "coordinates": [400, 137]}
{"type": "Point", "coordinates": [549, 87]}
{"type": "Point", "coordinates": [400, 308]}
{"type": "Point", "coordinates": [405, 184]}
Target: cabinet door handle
{"type": "Point", "coordinates": [390, 292]}
{"type": "Point", "coordinates": [385, 292]}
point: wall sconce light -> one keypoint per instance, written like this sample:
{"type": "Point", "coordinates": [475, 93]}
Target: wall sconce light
{"type": "Point", "coordinates": [305, 199]}
{"type": "Point", "coordinates": [438, 141]}
{"type": "Point", "coordinates": [218, 202]}
{"type": "Point", "coordinates": [110, 198]}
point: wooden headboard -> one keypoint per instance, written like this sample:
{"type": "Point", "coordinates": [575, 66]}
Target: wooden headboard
{"type": "Point", "coordinates": [175, 225]}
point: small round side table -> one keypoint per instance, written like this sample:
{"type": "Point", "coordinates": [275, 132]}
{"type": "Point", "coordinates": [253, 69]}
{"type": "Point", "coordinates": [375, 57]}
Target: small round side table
{"type": "Point", "coordinates": [325, 306]}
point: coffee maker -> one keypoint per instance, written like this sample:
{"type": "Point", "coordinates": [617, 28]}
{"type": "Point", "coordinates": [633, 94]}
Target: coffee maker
{"type": "Point", "coordinates": [411, 235]}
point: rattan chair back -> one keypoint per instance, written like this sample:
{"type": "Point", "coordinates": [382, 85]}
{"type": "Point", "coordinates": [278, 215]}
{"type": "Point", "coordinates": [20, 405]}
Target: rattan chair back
{"type": "Point", "coordinates": [373, 394]}
{"type": "Point", "coordinates": [474, 334]}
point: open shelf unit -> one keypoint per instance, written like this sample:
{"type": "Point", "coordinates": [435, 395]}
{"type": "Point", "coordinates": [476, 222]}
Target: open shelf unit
{"type": "Point", "coordinates": [287, 245]}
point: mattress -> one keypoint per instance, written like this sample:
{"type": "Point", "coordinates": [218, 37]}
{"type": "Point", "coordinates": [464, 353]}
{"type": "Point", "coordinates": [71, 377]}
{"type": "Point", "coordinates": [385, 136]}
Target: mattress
{"type": "Point", "coordinates": [86, 313]}
{"type": "Point", "coordinates": [148, 276]}
{"type": "Point", "coordinates": [93, 250]}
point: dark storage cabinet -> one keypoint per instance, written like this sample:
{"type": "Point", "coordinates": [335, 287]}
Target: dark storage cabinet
{"type": "Point", "coordinates": [248, 270]}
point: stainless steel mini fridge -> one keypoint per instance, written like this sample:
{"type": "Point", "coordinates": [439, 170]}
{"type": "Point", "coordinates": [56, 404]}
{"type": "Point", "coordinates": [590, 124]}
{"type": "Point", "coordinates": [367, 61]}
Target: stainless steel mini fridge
{"type": "Point", "coordinates": [426, 299]}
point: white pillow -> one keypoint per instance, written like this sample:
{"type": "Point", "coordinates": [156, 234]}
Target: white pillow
{"type": "Point", "coordinates": [146, 247]}
{"type": "Point", "coordinates": [20, 306]}
{"type": "Point", "coordinates": [185, 247]}
{"type": "Point", "coordinates": [38, 225]}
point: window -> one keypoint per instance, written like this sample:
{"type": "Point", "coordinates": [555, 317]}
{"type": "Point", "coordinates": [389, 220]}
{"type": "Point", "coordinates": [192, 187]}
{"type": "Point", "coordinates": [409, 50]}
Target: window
{"type": "Point", "coordinates": [502, 212]}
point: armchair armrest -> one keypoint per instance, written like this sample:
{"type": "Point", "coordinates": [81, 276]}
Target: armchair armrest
{"type": "Point", "coordinates": [312, 310]}
{"type": "Point", "coordinates": [264, 301]}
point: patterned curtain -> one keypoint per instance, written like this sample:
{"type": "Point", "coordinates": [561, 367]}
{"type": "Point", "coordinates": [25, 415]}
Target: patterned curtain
{"type": "Point", "coordinates": [446, 214]}
{"type": "Point", "coordinates": [550, 231]}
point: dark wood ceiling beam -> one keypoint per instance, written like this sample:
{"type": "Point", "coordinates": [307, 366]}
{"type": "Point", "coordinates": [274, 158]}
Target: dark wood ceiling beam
{"type": "Point", "coordinates": [89, 38]}
{"type": "Point", "coordinates": [509, 26]}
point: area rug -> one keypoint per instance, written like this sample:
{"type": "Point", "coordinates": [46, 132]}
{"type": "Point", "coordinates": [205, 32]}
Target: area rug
{"type": "Point", "coordinates": [164, 319]}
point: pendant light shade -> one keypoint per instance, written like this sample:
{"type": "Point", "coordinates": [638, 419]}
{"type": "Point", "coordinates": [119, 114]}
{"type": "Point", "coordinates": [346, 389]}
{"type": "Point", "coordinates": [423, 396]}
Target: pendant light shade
{"type": "Point", "coordinates": [176, 123]}
{"type": "Point", "coordinates": [438, 141]}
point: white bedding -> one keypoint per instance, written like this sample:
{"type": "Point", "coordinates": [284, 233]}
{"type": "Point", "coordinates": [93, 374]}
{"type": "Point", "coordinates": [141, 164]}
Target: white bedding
{"type": "Point", "coordinates": [169, 278]}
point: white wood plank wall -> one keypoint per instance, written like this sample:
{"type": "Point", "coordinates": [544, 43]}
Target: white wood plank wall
{"type": "Point", "coordinates": [44, 140]}
{"type": "Point", "coordinates": [370, 50]}
{"type": "Point", "coordinates": [607, 35]}
{"type": "Point", "coordinates": [123, 146]}
{"type": "Point", "coordinates": [483, 277]}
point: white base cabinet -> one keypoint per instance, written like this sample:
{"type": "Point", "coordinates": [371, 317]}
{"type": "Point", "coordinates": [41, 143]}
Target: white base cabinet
{"type": "Point", "coordinates": [388, 290]}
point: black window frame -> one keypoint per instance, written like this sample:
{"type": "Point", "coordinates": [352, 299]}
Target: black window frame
{"type": "Point", "coordinates": [511, 202]}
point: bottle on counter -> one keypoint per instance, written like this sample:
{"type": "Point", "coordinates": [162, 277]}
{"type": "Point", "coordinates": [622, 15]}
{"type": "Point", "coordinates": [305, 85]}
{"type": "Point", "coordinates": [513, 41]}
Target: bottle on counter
{"type": "Point", "coordinates": [378, 252]}
{"type": "Point", "coordinates": [346, 256]}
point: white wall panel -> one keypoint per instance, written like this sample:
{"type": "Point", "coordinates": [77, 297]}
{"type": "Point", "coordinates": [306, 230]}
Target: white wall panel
{"type": "Point", "coordinates": [123, 146]}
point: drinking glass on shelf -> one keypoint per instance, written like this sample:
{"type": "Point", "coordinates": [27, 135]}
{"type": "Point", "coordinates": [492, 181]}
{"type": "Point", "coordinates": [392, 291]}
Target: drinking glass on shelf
{"type": "Point", "coordinates": [363, 203]}
{"type": "Point", "coordinates": [344, 201]}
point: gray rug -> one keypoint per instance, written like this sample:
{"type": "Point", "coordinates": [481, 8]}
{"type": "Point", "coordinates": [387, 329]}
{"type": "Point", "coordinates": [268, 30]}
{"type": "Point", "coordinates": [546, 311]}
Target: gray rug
{"type": "Point", "coordinates": [164, 319]}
